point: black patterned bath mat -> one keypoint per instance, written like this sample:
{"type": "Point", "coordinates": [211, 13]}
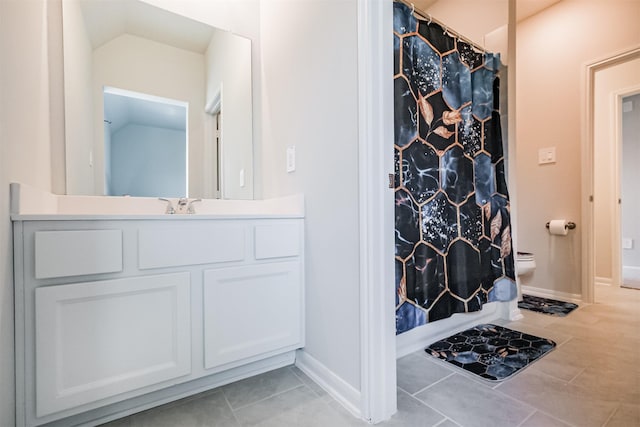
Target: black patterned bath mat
{"type": "Point", "coordinates": [549, 306]}
{"type": "Point", "coordinates": [490, 351]}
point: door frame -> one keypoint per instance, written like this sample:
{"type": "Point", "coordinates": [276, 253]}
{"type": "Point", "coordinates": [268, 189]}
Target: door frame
{"type": "Point", "coordinates": [375, 163]}
{"type": "Point", "coordinates": [588, 184]}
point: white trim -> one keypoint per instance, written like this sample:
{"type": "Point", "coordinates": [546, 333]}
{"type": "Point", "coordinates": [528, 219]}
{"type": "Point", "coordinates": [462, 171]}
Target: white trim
{"type": "Point", "coordinates": [588, 252]}
{"type": "Point", "coordinates": [548, 293]}
{"type": "Point", "coordinates": [214, 105]}
{"type": "Point", "coordinates": [602, 281]}
{"type": "Point", "coordinates": [337, 388]}
{"type": "Point", "coordinates": [630, 276]}
{"type": "Point", "coordinates": [144, 96]}
{"type": "Point", "coordinates": [375, 162]}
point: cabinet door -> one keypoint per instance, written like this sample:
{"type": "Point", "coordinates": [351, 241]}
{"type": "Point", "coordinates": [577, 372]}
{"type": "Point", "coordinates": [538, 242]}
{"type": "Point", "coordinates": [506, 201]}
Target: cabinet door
{"type": "Point", "coordinates": [251, 310]}
{"type": "Point", "coordinates": [100, 339]}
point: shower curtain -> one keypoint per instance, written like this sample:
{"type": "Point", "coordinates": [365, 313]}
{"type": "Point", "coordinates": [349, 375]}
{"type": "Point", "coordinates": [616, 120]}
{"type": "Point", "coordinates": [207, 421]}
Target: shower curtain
{"type": "Point", "coordinates": [453, 234]}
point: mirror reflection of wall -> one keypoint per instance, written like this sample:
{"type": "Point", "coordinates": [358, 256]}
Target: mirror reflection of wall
{"type": "Point", "coordinates": [132, 45]}
{"type": "Point", "coordinates": [145, 145]}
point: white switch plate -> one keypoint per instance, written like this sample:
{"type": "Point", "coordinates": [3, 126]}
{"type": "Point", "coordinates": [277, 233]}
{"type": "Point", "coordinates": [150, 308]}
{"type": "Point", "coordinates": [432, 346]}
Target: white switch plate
{"type": "Point", "coordinates": [627, 243]}
{"type": "Point", "coordinates": [291, 158]}
{"type": "Point", "coordinates": [546, 155]}
{"type": "Point", "coordinates": [241, 177]}
{"type": "Point", "coordinates": [627, 106]}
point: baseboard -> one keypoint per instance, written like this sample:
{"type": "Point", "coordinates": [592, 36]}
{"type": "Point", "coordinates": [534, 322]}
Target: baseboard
{"type": "Point", "coordinates": [549, 293]}
{"type": "Point", "coordinates": [420, 337]}
{"type": "Point", "coordinates": [337, 388]}
{"type": "Point", "coordinates": [603, 281]}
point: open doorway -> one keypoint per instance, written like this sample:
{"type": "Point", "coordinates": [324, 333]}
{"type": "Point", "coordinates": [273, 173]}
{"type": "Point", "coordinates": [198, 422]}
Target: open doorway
{"type": "Point", "coordinates": [608, 82]}
{"type": "Point", "coordinates": [630, 199]}
{"type": "Point", "coordinates": [146, 145]}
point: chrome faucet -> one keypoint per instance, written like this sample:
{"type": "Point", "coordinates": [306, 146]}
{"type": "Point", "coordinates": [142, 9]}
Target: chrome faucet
{"type": "Point", "coordinates": [184, 206]}
{"type": "Point", "coordinates": [190, 208]}
{"type": "Point", "coordinates": [170, 209]}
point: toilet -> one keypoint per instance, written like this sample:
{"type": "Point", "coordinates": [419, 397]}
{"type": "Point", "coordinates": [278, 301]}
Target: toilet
{"type": "Point", "coordinates": [525, 263]}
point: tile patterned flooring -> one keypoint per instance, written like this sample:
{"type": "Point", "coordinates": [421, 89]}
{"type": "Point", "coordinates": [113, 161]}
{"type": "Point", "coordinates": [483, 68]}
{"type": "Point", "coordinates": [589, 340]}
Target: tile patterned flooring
{"type": "Point", "coordinates": [591, 379]}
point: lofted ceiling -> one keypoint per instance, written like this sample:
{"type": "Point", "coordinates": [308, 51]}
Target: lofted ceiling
{"type": "Point", "coordinates": [108, 19]}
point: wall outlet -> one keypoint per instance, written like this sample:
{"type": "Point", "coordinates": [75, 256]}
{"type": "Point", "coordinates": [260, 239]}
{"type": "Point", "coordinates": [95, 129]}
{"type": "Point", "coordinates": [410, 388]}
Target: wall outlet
{"type": "Point", "coordinates": [546, 155]}
{"type": "Point", "coordinates": [291, 158]}
{"type": "Point", "coordinates": [627, 243]}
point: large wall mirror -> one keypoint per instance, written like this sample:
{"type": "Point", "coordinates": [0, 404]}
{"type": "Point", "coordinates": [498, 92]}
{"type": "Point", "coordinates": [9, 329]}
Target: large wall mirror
{"type": "Point", "coordinates": [156, 104]}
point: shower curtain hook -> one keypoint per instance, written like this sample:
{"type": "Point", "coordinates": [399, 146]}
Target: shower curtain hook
{"type": "Point", "coordinates": [413, 8]}
{"type": "Point", "coordinates": [446, 30]}
{"type": "Point", "coordinates": [430, 19]}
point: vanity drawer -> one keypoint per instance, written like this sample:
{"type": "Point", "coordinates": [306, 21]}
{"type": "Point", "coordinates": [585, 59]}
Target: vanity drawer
{"type": "Point", "coordinates": [202, 244]}
{"type": "Point", "coordinates": [77, 252]}
{"type": "Point", "coordinates": [277, 240]}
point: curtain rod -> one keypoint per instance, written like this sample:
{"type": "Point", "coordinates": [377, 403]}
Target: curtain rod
{"type": "Point", "coordinates": [427, 16]}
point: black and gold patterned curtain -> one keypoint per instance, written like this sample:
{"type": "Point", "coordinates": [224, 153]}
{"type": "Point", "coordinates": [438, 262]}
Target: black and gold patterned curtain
{"type": "Point", "coordinates": [453, 232]}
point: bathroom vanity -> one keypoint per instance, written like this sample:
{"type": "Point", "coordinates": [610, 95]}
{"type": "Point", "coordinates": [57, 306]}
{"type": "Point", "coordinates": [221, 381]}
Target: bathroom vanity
{"type": "Point", "coordinates": [116, 313]}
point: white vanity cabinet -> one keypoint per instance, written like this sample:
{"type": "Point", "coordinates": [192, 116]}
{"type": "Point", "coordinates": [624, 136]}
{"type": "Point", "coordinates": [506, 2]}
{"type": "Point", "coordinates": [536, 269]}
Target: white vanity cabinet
{"type": "Point", "coordinates": [114, 316]}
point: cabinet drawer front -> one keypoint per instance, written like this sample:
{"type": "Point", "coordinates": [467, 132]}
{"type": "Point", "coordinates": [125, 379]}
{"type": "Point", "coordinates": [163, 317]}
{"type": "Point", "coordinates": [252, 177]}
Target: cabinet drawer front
{"type": "Point", "coordinates": [100, 339]}
{"type": "Point", "coordinates": [162, 247]}
{"type": "Point", "coordinates": [250, 311]}
{"type": "Point", "coordinates": [77, 252]}
{"type": "Point", "coordinates": [277, 241]}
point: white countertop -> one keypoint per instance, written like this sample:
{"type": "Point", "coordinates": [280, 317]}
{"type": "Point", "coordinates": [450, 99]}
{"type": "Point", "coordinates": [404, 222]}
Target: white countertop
{"type": "Point", "coordinates": [32, 204]}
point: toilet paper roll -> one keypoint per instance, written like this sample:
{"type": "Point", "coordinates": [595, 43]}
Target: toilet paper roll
{"type": "Point", "coordinates": [558, 227]}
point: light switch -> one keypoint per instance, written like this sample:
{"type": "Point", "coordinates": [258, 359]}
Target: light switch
{"type": "Point", "coordinates": [241, 177]}
{"type": "Point", "coordinates": [627, 243]}
{"type": "Point", "coordinates": [546, 155]}
{"type": "Point", "coordinates": [291, 158]}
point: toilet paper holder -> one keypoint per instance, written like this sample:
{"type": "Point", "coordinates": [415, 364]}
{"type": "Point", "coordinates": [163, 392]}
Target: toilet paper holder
{"type": "Point", "coordinates": [570, 225]}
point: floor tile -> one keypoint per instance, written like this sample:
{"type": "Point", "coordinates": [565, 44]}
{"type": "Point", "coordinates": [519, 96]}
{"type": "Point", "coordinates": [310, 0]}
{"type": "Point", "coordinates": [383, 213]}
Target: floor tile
{"type": "Point", "coordinates": [277, 408]}
{"type": "Point", "coordinates": [448, 423]}
{"type": "Point", "coordinates": [557, 398]}
{"type": "Point", "coordinates": [412, 412]}
{"type": "Point", "coordinates": [308, 381]}
{"type": "Point", "coordinates": [555, 364]}
{"type": "Point", "coordinates": [256, 388]}
{"type": "Point", "coordinates": [539, 419]}
{"type": "Point", "coordinates": [417, 370]}
{"type": "Point", "coordinates": [309, 413]}
{"type": "Point", "coordinates": [469, 403]}
{"type": "Point", "coordinates": [617, 383]}
{"type": "Point", "coordinates": [625, 416]}
{"type": "Point", "coordinates": [210, 410]}
{"type": "Point", "coordinates": [347, 416]}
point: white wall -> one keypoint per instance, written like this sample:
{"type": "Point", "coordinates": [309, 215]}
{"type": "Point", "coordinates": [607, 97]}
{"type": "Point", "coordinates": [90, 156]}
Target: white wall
{"type": "Point", "coordinates": [606, 83]}
{"type": "Point", "coordinates": [78, 75]}
{"type": "Point", "coordinates": [309, 99]}
{"type": "Point", "coordinates": [24, 149]}
{"type": "Point", "coordinates": [228, 60]}
{"type": "Point", "coordinates": [140, 65]}
{"type": "Point", "coordinates": [630, 180]}
{"type": "Point", "coordinates": [462, 16]}
{"type": "Point", "coordinates": [553, 48]}
{"type": "Point", "coordinates": [148, 161]}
